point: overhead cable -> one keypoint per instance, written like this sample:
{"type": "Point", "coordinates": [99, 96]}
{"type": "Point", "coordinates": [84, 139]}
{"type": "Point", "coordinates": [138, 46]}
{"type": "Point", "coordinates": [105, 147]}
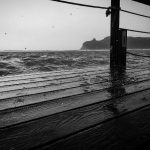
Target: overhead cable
{"type": "Point", "coordinates": [136, 31]}
{"type": "Point", "coordinates": [79, 4]}
{"type": "Point", "coordinates": [100, 7]}
{"type": "Point", "coordinates": [126, 11]}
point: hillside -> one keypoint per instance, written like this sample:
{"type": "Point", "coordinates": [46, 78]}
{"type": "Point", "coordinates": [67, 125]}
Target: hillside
{"type": "Point", "coordinates": [132, 42]}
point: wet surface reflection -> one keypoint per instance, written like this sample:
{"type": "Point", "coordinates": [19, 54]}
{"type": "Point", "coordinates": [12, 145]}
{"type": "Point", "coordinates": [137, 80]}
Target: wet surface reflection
{"type": "Point", "coordinates": [117, 89]}
{"type": "Point", "coordinates": [113, 80]}
{"type": "Point", "coordinates": [117, 82]}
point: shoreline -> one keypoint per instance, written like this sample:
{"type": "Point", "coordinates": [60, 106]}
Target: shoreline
{"type": "Point", "coordinates": [29, 51]}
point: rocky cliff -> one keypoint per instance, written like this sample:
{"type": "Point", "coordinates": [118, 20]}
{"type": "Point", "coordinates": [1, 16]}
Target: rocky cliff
{"type": "Point", "coordinates": [132, 43]}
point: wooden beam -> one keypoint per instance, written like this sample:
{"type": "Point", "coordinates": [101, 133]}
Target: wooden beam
{"type": "Point", "coordinates": [114, 40]}
{"type": "Point", "coordinates": [53, 127]}
{"type": "Point", "coordinates": [129, 132]}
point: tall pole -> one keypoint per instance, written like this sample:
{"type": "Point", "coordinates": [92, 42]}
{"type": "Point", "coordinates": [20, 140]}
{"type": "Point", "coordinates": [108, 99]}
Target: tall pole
{"type": "Point", "coordinates": [114, 40]}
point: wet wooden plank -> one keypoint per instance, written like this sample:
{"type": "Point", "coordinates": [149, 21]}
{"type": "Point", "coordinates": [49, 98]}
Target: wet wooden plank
{"type": "Point", "coordinates": [57, 71]}
{"type": "Point", "coordinates": [83, 87]}
{"type": "Point", "coordinates": [50, 78]}
{"type": "Point", "coordinates": [61, 91]}
{"type": "Point", "coordinates": [22, 90]}
{"type": "Point", "coordinates": [38, 82]}
{"type": "Point", "coordinates": [62, 100]}
{"type": "Point", "coordinates": [79, 120]}
{"type": "Point", "coordinates": [129, 132]}
{"type": "Point", "coordinates": [48, 81]}
{"type": "Point", "coordinates": [49, 107]}
{"type": "Point", "coordinates": [52, 74]}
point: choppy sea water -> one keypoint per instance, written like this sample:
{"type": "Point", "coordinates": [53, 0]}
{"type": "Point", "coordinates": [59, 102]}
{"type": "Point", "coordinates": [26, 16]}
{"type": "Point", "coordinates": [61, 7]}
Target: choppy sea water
{"type": "Point", "coordinates": [12, 63]}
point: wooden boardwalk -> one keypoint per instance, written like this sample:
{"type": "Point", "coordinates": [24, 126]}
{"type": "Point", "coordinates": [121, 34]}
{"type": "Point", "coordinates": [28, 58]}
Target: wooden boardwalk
{"type": "Point", "coordinates": [89, 108]}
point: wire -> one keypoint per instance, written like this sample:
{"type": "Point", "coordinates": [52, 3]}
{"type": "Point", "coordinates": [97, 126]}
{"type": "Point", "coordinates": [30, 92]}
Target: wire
{"type": "Point", "coordinates": [100, 7]}
{"type": "Point", "coordinates": [136, 31]}
{"type": "Point", "coordinates": [79, 4]}
{"type": "Point", "coordinates": [133, 13]}
{"type": "Point", "coordinates": [138, 54]}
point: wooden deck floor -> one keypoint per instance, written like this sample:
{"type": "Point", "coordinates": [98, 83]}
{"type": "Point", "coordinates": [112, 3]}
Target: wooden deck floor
{"type": "Point", "coordinates": [89, 108]}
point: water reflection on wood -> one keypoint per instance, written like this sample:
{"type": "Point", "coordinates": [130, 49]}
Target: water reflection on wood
{"type": "Point", "coordinates": [118, 80]}
{"type": "Point", "coordinates": [66, 102]}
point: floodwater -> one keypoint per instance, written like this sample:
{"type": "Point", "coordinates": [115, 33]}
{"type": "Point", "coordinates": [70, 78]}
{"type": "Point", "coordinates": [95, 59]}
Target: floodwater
{"type": "Point", "coordinates": [12, 63]}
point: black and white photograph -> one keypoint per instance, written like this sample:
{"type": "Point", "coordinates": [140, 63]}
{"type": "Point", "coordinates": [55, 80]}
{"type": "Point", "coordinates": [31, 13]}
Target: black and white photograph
{"type": "Point", "coordinates": [74, 74]}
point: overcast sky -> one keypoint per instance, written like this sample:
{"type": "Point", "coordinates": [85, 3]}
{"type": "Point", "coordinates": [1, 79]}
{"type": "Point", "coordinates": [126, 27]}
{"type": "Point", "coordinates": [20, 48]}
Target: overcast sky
{"type": "Point", "coordinates": [47, 25]}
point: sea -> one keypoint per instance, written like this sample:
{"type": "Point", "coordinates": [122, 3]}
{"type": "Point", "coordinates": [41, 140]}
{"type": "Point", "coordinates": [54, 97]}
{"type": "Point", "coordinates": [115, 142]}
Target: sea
{"type": "Point", "coordinates": [22, 62]}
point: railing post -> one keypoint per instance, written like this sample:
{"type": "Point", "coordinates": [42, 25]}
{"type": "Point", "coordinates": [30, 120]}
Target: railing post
{"type": "Point", "coordinates": [122, 48]}
{"type": "Point", "coordinates": [114, 38]}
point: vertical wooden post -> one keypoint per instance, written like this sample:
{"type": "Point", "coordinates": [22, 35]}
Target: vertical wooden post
{"type": "Point", "coordinates": [114, 39]}
{"type": "Point", "coordinates": [122, 48]}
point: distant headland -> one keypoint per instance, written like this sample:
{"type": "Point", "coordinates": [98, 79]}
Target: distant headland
{"type": "Point", "coordinates": [132, 43]}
